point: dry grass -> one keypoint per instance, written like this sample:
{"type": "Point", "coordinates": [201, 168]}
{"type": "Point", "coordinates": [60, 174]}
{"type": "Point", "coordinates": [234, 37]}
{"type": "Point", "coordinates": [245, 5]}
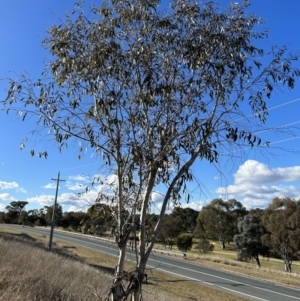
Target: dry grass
{"type": "Point", "coordinates": [30, 273]}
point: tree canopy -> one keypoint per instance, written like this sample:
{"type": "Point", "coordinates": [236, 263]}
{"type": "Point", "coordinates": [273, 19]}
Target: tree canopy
{"type": "Point", "coordinates": [218, 220]}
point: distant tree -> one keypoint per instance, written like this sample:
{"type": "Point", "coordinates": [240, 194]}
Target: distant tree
{"type": "Point", "coordinates": [36, 217]}
{"type": "Point", "coordinates": [152, 93]}
{"type": "Point", "coordinates": [2, 217]}
{"type": "Point", "coordinates": [23, 218]}
{"type": "Point", "coordinates": [188, 218]}
{"type": "Point", "coordinates": [236, 210]}
{"type": "Point", "coordinates": [184, 242]}
{"type": "Point", "coordinates": [15, 210]}
{"type": "Point", "coordinates": [100, 218]}
{"type": "Point", "coordinates": [199, 231]}
{"type": "Point", "coordinates": [49, 213]}
{"type": "Point", "coordinates": [171, 228]}
{"type": "Point", "coordinates": [205, 246]}
{"type": "Point", "coordinates": [248, 242]}
{"type": "Point", "coordinates": [218, 220]}
{"type": "Point", "coordinates": [73, 220]}
{"type": "Point", "coordinates": [32, 216]}
{"type": "Point", "coordinates": [282, 221]}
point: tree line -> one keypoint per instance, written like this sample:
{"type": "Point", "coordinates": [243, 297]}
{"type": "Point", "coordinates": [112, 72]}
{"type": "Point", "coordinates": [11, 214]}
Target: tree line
{"type": "Point", "coordinates": [273, 231]}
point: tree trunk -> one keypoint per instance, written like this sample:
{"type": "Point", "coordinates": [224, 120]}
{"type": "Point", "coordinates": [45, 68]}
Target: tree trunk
{"type": "Point", "coordinates": [257, 260]}
{"type": "Point", "coordinates": [287, 260]}
{"type": "Point", "coordinates": [222, 244]}
{"type": "Point", "coordinates": [135, 285]}
{"type": "Point", "coordinates": [117, 292]}
{"type": "Point", "coordinates": [288, 265]}
{"type": "Point", "coordinates": [137, 289]}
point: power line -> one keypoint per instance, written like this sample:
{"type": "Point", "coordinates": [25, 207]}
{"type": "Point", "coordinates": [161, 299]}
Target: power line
{"type": "Point", "coordinates": [270, 109]}
{"type": "Point", "coordinates": [283, 104]}
{"type": "Point", "coordinates": [259, 132]}
{"type": "Point", "coordinates": [274, 142]}
{"type": "Point", "coordinates": [278, 127]}
{"type": "Point", "coordinates": [284, 140]}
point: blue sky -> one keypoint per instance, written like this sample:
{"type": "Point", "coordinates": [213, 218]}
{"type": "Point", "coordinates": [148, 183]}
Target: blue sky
{"type": "Point", "coordinates": [252, 177]}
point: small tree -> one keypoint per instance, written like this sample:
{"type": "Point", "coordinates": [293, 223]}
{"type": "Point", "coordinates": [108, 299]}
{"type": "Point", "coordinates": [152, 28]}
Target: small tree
{"type": "Point", "coordinates": [184, 242]}
{"type": "Point", "coordinates": [205, 246]}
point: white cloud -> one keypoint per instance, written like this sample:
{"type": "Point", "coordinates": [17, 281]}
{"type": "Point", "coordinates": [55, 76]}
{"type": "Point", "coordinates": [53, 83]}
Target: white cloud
{"type": "Point", "coordinates": [256, 172]}
{"type": "Point", "coordinates": [65, 200]}
{"type": "Point", "coordinates": [50, 186]}
{"type": "Point", "coordinates": [43, 199]}
{"type": "Point", "coordinates": [2, 207]}
{"type": "Point", "coordinates": [75, 209]}
{"type": "Point", "coordinates": [71, 200]}
{"type": "Point", "coordinates": [157, 197]}
{"type": "Point", "coordinates": [80, 178]}
{"type": "Point", "coordinates": [79, 183]}
{"type": "Point", "coordinates": [7, 197]}
{"type": "Point", "coordinates": [11, 185]}
{"type": "Point", "coordinates": [74, 187]}
{"type": "Point", "coordinates": [193, 205]}
{"type": "Point", "coordinates": [254, 184]}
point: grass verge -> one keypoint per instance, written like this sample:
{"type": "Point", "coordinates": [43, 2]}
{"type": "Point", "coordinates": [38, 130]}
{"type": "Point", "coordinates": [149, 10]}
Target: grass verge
{"type": "Point", "coordinates": [160, 286]}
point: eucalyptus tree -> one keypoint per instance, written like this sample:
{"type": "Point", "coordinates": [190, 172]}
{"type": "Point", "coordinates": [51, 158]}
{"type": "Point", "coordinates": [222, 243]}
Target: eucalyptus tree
{"type": "Point", "coordinates": [249, 242]}
{"type": "Point", "coordinates": [188, 218]}
{"type": "Point", "coordinates": [171, 228]}
{"type": "Point", "coordinates": [152, 92]}
{"type": "Point", "coordinates": [218, 220]}
{"type": "Point", "coordinates": [17, 209]}
{"type": "Point", "coordinates": [37, 217]}
{"type": "Point", "coordinates": [49, 214]}
{"type": "Point", "coordinates": [99, 218]}
{"type": "Point", "coordinates": [282, 221]}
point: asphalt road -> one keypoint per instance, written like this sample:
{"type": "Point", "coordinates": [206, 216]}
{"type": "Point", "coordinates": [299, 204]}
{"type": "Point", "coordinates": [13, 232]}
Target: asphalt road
{"type": "Point", "coordinates": [248, 288]}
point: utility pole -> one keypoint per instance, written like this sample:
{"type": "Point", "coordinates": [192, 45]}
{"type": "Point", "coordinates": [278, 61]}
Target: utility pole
{"type": "Point", "coordinates": [54, 208]}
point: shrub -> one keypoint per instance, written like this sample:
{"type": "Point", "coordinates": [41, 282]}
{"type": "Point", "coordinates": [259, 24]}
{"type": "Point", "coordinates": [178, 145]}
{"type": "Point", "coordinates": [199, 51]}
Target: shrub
{"type": "Point", "coordinates": [205, 246]}
{"type": "Point", "coordinates": [184, 242]}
